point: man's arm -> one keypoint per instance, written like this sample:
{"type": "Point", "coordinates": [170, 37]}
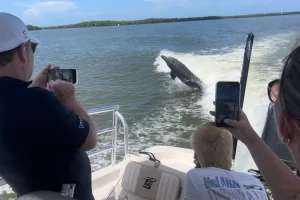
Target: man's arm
{"type": "Point", "coordinates": [65, 92]}
{"type": "Point", "coordinates": [68, 128]}
{"type": "Point", "coordinates": [91, 139]}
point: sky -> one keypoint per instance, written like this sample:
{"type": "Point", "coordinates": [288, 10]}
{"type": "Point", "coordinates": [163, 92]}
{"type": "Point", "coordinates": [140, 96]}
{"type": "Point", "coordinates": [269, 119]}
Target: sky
{"type": "Point", "coordinates": [52, 13]}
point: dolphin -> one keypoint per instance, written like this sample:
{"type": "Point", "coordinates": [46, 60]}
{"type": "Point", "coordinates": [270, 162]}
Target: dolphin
{"type": "Point", "coordinates": [178, 69]}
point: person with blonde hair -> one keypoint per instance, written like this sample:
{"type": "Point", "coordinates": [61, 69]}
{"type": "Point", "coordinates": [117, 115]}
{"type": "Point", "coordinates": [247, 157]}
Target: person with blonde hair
{"type": "Point", "coordinates": [215, 179]}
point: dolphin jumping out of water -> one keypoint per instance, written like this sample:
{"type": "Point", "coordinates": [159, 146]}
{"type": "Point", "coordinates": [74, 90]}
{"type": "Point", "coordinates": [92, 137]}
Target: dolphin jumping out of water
{"type": "Point", "coordinates": [178, 69]}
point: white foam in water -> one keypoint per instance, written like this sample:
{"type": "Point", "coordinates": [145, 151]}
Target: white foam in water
{"type": "Point", "coordinates": [227, 67]}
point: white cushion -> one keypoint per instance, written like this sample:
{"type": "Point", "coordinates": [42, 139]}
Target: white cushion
{"type": "Point", "coordinates": [142, 182]}
{"type": "Point", "coordinates": [169, 187]}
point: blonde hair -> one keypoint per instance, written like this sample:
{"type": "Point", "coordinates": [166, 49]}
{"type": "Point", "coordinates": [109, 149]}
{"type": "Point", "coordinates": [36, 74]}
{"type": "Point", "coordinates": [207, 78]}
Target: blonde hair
{"type": "Point", "coordinates": [213, 146]}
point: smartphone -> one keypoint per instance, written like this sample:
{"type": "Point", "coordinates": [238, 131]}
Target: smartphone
{"type": "Point", "coordinates": [227, 102]}
{"type": "Point", "coordinates": [69, 75]}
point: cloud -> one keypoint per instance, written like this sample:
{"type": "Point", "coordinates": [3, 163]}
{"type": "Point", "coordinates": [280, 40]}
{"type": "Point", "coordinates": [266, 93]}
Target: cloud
{"type": "Point", "coordinates": [40, 8]}
{"type": "Point", "coordinates": [161, 4]}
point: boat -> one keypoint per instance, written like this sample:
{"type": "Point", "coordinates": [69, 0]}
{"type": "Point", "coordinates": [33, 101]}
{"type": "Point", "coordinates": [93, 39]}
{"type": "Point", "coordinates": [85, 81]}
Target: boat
{"type": "Point", "coordinates": [117, 181]}
{"type": "Point", "coordinates": [169, 164]}
{"type": "Point", "coordinates": [157, 172]}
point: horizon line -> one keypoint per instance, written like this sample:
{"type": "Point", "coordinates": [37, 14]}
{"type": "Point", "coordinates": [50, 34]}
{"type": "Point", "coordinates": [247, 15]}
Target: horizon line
{"type": "Point", "coordinates": [175, 18]}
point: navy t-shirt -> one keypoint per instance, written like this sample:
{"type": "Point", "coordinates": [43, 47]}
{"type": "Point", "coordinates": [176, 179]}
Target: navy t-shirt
{"type": "Point", "coordinates": [39, 141]}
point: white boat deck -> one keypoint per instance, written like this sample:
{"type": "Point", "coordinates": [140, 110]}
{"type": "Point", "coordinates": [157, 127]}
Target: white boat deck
{"type": "Point", "coordinates": [106, 179]}
{"type": "Point", "coordinates": [173, 160]}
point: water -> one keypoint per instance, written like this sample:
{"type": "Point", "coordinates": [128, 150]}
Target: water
{"type": "Point", "coordinates": [122, 65]}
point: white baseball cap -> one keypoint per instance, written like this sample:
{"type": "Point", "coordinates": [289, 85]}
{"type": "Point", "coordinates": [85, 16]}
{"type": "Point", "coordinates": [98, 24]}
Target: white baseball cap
{"type": "Point", "coordinates": [13, 32]}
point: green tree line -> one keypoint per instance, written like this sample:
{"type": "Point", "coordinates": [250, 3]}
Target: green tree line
{"type": "Point", "coordinates": [154, 20]}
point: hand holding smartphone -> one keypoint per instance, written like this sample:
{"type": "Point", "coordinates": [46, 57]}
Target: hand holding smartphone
{"type": "Point", "coordinates": [69, 75]}
{"type": "Point", "coordinates": [227, 102]}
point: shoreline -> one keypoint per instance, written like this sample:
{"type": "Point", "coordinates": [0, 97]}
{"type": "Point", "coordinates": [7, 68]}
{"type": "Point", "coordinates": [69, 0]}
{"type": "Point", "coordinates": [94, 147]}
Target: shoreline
{"type": "Point", "coordinates": [101, 23]}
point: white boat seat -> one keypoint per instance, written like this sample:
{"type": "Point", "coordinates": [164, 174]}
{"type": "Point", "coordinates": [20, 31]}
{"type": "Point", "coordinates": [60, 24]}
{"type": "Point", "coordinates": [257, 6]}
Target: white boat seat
{"type": "Point", "coordinates": [144, 182]}
{"type": "Point", "coordinates": [44, 195]}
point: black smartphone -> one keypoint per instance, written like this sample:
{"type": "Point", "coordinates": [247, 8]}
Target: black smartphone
{"type": "Point", "coordinates": [227, 102]}
{"type": "Point", "coordinates": [69, 75]}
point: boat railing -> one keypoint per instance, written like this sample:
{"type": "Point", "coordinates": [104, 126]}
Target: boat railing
{"type": "Point", "coordinates": [114, 130]}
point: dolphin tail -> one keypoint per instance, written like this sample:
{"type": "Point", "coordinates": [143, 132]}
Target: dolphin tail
{"type": "Point", "coordinates": [173, 75]}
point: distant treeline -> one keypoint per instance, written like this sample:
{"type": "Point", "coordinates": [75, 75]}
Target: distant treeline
{"type": "Point", "coordinates": [155, 20]}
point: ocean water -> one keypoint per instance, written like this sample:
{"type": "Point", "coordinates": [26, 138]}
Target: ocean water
{"type": "Point", "coordinates": [122, 66]}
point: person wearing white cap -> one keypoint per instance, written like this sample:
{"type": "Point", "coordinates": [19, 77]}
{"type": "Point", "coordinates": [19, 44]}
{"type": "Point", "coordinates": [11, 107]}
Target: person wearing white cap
{"type": "Point", "coordinates": [44, 132]}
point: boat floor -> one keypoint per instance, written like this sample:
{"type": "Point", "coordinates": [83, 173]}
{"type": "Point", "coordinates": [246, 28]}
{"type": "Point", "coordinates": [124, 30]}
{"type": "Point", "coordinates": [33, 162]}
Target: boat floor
{"type": "Point", "coordinates": [105, 180]}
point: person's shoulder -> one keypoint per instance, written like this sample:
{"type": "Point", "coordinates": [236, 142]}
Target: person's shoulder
{"type": "Point", "coordinates": [193, 176]}
{"type": "Point", "coordinates": [38, 98]}
{"type": "Point", "coordinates": [38, 90]}
{"type": "Point", "coordinates": [38, 93]}
{"type": "Point", "coordinates": [191, 171]}
{"type": "Point", "coordinates": [203, 171]}
{"type": "Point", "coordinates": [246, 177]}
{"type": "Point", "coordinates": [243, 174]}
{"type": "Point", "coordinates": [195, 170]}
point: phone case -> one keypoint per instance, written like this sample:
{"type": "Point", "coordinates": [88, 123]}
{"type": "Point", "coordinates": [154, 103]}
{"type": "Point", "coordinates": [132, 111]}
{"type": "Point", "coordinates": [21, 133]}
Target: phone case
{"type": "Point", "coordinates": [229, 106]}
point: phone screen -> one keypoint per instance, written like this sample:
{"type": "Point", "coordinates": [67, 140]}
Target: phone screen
{"type": "Point", "coordinates": [63, 74]}
{"type": "Point", "coordinates": [227, 102]}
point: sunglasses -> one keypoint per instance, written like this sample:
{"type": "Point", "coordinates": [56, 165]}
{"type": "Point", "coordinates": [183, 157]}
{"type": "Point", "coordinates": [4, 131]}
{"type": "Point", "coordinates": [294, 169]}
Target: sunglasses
{"type": "Point", "coordinates": [33, 46]}
{"type": "Point", "coordinates": [273, 90]}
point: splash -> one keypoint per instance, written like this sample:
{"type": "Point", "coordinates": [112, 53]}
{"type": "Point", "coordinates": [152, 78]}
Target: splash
{"type": "Point", "coordinates": [210, 68]}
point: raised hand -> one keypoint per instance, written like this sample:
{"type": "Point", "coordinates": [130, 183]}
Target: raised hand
{"type": "Point", "coordinates": [41, 78]}
{"type": "Point", "coordinates": [64, 90]}
{"type": "Point", "coordinates": [240, 129]}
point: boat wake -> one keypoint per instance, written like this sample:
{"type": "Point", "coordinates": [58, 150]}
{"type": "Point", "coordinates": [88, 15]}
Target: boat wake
{"type": "Point", "coordinates": [266, 62]}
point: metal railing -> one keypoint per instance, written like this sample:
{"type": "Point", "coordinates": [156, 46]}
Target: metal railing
{"type": "Point", "coordinates": [114, 129]}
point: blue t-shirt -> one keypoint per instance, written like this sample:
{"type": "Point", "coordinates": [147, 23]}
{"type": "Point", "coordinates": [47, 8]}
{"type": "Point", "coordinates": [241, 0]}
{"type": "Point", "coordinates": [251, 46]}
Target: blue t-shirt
{"type": "Point", "coordinates": [218, 184]}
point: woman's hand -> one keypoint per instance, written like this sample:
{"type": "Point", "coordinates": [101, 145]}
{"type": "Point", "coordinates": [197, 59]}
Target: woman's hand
{"type": "Point", "coordinates": [241, 129]}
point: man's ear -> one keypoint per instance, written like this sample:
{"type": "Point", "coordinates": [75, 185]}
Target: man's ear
{"type": "Point", "coordinates": [285, 127]}
{"type": "Point", "coordinates": [22, 53]}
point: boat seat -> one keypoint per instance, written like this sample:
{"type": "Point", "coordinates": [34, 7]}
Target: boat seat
{"type": "Point", "coordinates": [44, 195]}
{"type": "Point", "coordinates": [140, 181]}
